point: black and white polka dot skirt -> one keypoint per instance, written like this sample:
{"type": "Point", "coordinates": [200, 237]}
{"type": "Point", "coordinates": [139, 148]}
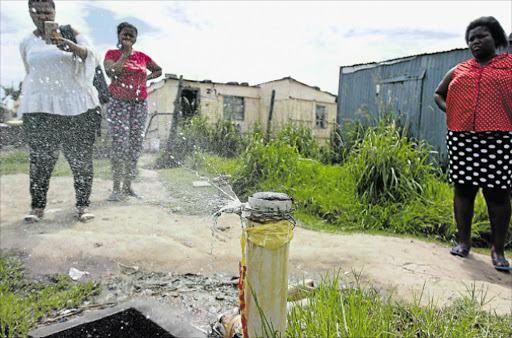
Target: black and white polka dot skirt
{"type": "Point", "coordinates": [482, 159]}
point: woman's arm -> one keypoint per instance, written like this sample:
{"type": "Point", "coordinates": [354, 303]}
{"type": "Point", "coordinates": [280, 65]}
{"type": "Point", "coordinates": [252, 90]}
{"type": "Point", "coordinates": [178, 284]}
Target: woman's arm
{"type": "Point", "coordinates": [442, 90]}
{"type": "Point", "coordinates": [115, 68]}
{"type": "Point", "coordinates": [155, 70]}
{"type": "Point", "coordinates": [69, 46]}
{"type": "Point", "coordinates": [24, 56]}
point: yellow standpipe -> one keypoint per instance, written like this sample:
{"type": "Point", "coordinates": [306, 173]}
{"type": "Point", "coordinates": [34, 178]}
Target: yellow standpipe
{"type": "Point", "coordinates": [265, 246]}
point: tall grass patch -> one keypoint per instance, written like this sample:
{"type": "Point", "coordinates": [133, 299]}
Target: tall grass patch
{"type": "Point", "coordinates": [389, 167]}
{"type": "Point", "coordinates": [301, 138]}
{"type": "Point", "coordinates": [387, 182]}
{"type": "Point", "coordinates": [266, 164]}
{"type": "Point", "coordinates": [221, 138]}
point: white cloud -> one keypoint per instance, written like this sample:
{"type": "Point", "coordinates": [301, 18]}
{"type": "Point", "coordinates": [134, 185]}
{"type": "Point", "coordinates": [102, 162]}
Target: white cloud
{"type": "Point", "coordinates": [258, 41]}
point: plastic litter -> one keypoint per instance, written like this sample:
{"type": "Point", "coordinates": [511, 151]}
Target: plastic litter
{"type": "Point", "coordinates": [76, 274]}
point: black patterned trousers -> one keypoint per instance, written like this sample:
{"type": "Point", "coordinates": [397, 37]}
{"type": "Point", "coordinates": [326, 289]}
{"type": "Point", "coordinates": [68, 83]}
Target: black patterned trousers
{"type": "Point", "coordinates": [46, 135]}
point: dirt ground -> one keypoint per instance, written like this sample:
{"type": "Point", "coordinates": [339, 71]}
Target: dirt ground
{"type": "Point", "coordinates": [154, 248]}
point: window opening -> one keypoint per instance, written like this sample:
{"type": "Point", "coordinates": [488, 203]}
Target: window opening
{"type": "Point", "coordinates": [234, 108]}
{"type": "Point", "coordinates": [321, 117]}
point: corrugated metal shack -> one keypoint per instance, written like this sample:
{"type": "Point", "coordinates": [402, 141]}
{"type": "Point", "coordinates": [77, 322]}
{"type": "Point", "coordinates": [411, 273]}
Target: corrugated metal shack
{"type": "Point", "coordinates": [404, 86]}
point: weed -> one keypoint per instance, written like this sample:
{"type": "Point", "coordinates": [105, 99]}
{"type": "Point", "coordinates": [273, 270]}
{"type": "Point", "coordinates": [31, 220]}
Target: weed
{"type": "Point", "coordinates": [222, 138]}
{"type": "Point", "coordinates": [388, 167]}
{"type": "Point", "coordinates": [24, 303]}
{"type": "Point", "coordinates": [265, 166]}
{"type": "Point", "coordinates": [301, 138]}
{"type": "Point", "coordinates": [362, 311]}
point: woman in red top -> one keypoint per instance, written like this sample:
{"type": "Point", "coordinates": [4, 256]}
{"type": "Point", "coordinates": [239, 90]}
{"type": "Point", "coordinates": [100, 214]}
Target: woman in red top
{"type": "Point", "coordinates": [127, 110]}
{"type": "Point", "coordinates": [477, 98]}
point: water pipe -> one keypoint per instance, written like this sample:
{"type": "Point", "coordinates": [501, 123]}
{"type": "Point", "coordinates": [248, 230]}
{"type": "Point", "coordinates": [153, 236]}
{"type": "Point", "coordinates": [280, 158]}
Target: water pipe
{"type": "Point", "coordinates": [265, 244]}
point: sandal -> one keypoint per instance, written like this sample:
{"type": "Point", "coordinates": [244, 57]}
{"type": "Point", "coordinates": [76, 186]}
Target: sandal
{"type": "Point", "coordinates": [504, 267]}
{"type": "Point", "coordinates": [84, 215]}
{"type": "Point", "coordinates": [35, 215]}
{"type": "Point", "coordinates": [132, 193]}
{"type": "Point", "coordinates": [459, 251]}
{"type": "Point", "coordinates": [115, 197]}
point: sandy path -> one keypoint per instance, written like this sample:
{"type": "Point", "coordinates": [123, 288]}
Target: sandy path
{"type": "Point", "coordinates": [151, 235]}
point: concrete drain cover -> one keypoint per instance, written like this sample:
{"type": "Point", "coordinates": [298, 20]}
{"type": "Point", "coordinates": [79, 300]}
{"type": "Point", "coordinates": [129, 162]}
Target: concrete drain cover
{"type": "Point", "coordinates": [141, 319]}
{"type": "Point", "coordinates": [127, 323]}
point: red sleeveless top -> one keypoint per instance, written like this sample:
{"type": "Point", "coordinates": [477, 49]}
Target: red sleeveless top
{"type": "Point", "coordinates": [480, 98]}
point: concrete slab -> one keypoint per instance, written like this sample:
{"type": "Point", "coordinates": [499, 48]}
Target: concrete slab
{"type": "Point", "coordinates": [174, 320]}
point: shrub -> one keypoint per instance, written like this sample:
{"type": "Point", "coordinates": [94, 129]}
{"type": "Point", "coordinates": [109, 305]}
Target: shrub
{"type": "Point", "coordinates": [225, 139]}
{"type": "Point", "coordinates": [389, 167]}
{"type": "Point", "coordinates": [332, 152]}
{"type": "Point", "coordinates": [275, 162]}
{"type": "Point", "coordinates": [300, 138]}
{"type": "Point", "coordinates": [221, 138]}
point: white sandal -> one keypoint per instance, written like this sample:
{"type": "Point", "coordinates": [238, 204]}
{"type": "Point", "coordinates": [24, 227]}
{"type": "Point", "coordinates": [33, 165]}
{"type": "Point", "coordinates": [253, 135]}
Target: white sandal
{"type": "Point", "coordinates": [84, 215]}
{"type": "Point", "coordinates": [34, 216]}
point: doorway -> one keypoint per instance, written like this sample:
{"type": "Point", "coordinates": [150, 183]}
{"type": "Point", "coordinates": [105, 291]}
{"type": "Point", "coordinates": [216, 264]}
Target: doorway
{"type": "Point", "coordinates": [189, 103]}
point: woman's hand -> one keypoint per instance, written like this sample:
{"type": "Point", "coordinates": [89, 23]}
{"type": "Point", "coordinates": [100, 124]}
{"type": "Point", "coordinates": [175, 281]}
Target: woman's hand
{"type": "Point", "coordinates": [66, 45]}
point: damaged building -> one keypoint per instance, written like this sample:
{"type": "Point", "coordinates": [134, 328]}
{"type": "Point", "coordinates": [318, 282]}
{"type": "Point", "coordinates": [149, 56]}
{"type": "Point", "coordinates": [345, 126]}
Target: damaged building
{"type": "Point", "coordinates": [295, 102]}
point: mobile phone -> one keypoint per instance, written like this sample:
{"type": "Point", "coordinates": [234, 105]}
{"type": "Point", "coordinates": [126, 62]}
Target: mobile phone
{"type": "Point", "coordinates": [51, 36]}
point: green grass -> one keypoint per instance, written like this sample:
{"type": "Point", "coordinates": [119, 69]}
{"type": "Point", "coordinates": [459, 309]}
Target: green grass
{"type": "Point", "coordinates": [18, 162]}
{"type": "Point", "coordinates": [23, 303]}
{"type": "Point", "coordinates": [363, 311]}
{"type": "Point", "coordinates": [387, 182]}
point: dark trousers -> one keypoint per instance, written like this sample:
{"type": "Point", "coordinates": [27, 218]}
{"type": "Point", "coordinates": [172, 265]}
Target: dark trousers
{"type": "Point", "coordinates": [46, 134]}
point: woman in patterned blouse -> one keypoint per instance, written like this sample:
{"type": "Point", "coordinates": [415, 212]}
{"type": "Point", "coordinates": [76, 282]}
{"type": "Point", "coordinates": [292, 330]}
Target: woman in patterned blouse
{"type": "Point", "coordinates": [477, 98]}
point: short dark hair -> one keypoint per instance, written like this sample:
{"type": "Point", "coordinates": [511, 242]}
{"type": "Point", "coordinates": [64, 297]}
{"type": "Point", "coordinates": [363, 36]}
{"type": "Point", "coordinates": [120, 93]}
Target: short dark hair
{"type": "Point", "coordinates": [32, 2]}
{"type": "Point", "coordinates": [124, 25]}
{"type": "Point", "coordinates": [497, 32]}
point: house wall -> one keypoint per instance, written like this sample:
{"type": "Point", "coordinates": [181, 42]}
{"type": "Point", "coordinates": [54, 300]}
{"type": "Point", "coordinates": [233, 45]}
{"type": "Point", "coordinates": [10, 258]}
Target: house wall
{"type": "Point", "coordinates": [251, 97]}
{"type": "Point", "coordinates": [157, 97]}
{"type": "Point", "coordinates": [294, 103]}
{"type": "Point", "coordinates": [161, 97]}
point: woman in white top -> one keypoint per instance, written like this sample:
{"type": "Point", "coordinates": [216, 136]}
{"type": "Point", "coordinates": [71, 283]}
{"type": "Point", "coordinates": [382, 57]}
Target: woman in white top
{"type": "Point", "coordinates": [59, 109]}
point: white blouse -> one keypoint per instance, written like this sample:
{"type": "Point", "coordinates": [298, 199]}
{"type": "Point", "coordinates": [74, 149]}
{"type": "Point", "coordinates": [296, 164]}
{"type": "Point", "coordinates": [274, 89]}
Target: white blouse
{"type": "Point", "coordinates": [56, 82]}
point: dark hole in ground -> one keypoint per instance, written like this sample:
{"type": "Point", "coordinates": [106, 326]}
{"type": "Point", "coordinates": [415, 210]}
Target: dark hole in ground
{"type": "Point", "coordinates": [129, 323]}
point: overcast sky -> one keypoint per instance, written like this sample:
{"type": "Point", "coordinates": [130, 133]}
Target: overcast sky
{"type": "Point", "coordinates": [260, 41]}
